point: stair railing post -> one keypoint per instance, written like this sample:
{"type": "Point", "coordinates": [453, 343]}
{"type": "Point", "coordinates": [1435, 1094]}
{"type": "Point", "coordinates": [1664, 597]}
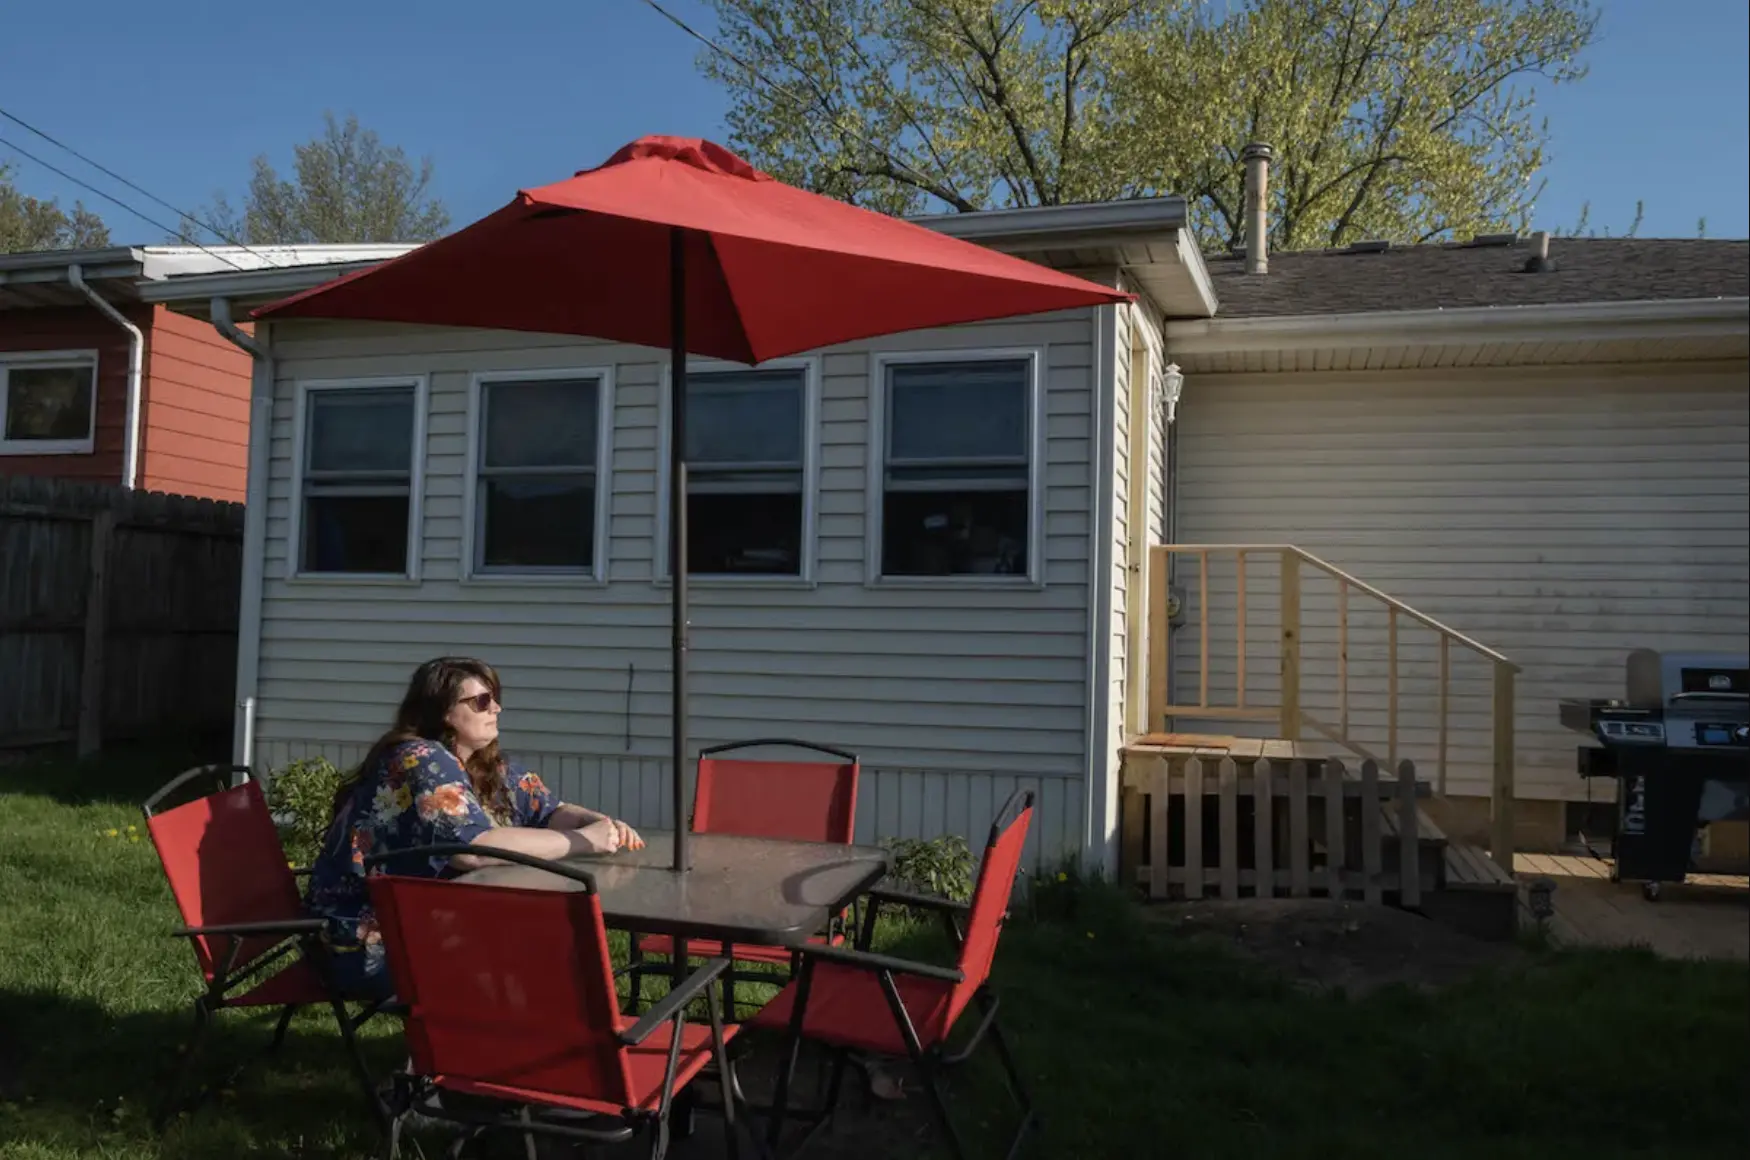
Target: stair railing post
{"type": "Point", "coordinates": [1501, 835]}
{"type": "Point", "coordinates": [1288, 726]}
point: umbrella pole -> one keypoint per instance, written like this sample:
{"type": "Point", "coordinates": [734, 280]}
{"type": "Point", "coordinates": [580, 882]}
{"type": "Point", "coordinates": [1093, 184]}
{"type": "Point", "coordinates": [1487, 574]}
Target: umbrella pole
{"type": "Point", "coordinates": [677, 532]}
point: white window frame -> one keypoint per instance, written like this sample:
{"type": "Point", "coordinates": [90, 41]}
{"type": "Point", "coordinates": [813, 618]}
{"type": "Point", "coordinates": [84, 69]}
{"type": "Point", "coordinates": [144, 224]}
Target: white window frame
{"type": "Point", "coordinates": [51, 359]}
{"type": "Point", "coordinates": [810, 366]}
{"type": "Point", "coordinates": [416, 483]}
{"type": "Point", "coordinates": [876, 455]}
{"type": "Point", "coordinates": [472, 523]}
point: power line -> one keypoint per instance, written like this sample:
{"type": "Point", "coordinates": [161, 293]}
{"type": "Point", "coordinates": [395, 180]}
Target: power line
{"type": "Point", "coordinates": [85, 185]}
{"type": "Point", "coordinates": [148, 194]}
{"type": "Point", "coordinates": [750, 70]}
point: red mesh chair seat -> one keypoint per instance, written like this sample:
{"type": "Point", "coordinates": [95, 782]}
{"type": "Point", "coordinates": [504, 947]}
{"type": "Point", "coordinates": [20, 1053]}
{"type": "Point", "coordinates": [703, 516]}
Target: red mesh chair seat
{"type": "Point", "coordinates": [851, 1000]}
{"type": "Point", "coordinates": [254, 944]}
{"type": "Point", "coordinates": [296, 986]}
{"type": "Point", "coordinates": [803, 801]}
{"type": "Point", "coordinates": [847, 1007]}
{"type": "Point", "coordinates": [646, 1066]}
{"type": "Point", "coordinates": [510, 996]}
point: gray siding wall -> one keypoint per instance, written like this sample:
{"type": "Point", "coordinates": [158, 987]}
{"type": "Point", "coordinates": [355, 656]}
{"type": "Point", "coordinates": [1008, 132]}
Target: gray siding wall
{"type": "Point", "coordinates": [948, 692]}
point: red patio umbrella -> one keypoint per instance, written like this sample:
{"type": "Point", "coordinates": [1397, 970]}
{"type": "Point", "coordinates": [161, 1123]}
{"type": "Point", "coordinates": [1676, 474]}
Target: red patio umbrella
{"type": "Point", "coordinates": [751, 269]}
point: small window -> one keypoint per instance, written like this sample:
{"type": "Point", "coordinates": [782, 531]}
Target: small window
{"type": "Point", "coordinates": [48, 404]}
{"type": "Point", "coordinates": [536, 475]}
{"type": "Point", "coordinates": [358, 478]}
{"type": "Point", "coordinates": [746, 473]}
{"type": "Point", "coordinates": [956, 468]}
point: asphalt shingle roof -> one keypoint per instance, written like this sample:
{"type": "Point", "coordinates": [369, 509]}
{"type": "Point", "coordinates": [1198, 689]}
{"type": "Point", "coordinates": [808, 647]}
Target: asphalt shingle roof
{"type": "Point", "coordinates": [1450, 276]}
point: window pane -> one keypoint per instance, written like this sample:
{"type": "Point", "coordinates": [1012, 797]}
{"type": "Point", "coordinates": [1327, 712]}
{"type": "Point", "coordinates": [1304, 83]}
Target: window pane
{"type": "Point", "coordinates": [48, 402]}
{"type": "Point", "coordinates": [361, 430]}
{"type": "Point", "coordinates": [355, 534]}
{"type": "Point", "coordinates": [751, 535]}
{"type": "Point", "coordinates": [537, 521]}
{"type": "Point", "coordinates": [745, 417]}
{"type": "Point", "coordinates": [957, 410]}
{"type": "Point", "coordinates": [549, 423]}
{"type": "Point", "coordinates": [948, 533]}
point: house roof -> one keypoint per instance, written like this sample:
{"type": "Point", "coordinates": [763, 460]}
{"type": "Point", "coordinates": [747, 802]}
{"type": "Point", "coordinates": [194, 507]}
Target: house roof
{"type": "Point", "coordinates": [40, 277]}
{"type": "Point", "coordinates": [1362, 280]}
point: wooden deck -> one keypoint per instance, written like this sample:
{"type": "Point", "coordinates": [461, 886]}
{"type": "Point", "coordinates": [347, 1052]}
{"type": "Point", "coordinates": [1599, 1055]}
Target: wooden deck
{"type": "Point", "coordinates": [1706, 917]}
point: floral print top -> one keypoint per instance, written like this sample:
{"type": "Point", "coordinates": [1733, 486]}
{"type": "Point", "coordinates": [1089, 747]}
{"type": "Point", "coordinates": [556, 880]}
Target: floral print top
{"type": "Point", "coordinates": [418, 794]}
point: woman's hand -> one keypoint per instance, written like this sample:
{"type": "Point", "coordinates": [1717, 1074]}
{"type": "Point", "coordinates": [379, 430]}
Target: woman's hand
{"type": "Point", "coordinates": [602, 837]}
{"type": "Point", "coordinates": [629, 838]}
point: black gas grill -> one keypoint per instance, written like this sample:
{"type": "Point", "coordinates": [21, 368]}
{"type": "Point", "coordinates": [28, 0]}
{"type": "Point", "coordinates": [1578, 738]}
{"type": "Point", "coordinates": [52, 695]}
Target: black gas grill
{"type": "Point", "coordinates": [1678, 746]}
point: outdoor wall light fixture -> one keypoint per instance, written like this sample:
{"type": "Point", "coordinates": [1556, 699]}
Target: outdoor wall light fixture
{"type": "Point", "coordinates": [1171, 386]}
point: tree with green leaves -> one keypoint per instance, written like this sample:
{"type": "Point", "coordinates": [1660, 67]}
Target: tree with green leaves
{"type": "Point", "coordinates": [29, 223]}
{"type": "Point", "coordinates": [346, 187]}
{"type": "Point", "coordinates": [1412, 120]}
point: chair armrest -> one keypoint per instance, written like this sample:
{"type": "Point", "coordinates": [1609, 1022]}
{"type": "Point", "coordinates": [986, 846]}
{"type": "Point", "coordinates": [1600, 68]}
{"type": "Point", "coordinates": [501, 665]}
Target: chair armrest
{"type": "Point", "coordinates": [669, 1004]}
{"type": "Point", "coordinates": [274, 926]}
{"type": "Point", "coordinates": [909, 898]}
{"type": "Point", "coordinates": [870, 961]}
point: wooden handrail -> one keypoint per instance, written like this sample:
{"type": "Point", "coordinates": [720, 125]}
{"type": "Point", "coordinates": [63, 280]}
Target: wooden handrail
{"type": "Point", "coordinates": [1288, 714]}
{"type": "Point", "coordinates": [1361, 585]}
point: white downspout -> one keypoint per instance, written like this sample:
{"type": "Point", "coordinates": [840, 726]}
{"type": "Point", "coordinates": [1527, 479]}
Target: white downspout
{"type": "Point", "coordinates": [136, 367]}
{"type": "Point", "coordinates": [254, 526]}
{"type": "Point", "coordinates": [1098, 854]}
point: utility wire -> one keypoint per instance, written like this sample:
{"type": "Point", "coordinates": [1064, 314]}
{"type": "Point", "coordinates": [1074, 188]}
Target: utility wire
{"type": "Point", "coordinates": [29, 156]}
{"type": "Point", "coordinates": [146, 193]}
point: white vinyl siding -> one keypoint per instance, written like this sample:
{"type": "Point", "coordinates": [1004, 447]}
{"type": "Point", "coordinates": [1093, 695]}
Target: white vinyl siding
{"type": "Point", "coordinates": [945, 680]}
{"type": "Point", "coordinates": [1562, 517]}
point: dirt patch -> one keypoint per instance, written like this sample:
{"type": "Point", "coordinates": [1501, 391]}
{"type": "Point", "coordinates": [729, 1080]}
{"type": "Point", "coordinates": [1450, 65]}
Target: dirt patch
{"type": "Point", "coordinates": [1351, 946]}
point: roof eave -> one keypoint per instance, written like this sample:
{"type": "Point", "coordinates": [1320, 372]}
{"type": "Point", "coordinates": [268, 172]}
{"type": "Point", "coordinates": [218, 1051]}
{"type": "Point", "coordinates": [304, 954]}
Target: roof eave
{"type": "Point", "coordinates": [1661, 318]}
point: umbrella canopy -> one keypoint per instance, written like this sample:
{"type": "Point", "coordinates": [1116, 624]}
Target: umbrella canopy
{"type": "Point", "coordinates": [771, 270]}
{"type": "Point", "coordinates": [679, 243]}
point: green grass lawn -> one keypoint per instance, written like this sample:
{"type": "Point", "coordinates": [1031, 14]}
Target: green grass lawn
{"type": "Point", "coordinates": [1136, 1041]}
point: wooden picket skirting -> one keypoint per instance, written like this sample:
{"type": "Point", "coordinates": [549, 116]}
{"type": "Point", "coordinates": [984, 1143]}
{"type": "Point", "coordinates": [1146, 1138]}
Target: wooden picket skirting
{"type": "Point", "coordinates": [1294, 843]}
{"type": "Point", "coordinates": [118, 612]}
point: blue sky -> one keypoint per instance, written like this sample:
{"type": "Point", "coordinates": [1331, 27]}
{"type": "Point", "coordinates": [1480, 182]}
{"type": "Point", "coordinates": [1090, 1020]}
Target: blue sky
{"type": "Point", "coordinates": [519, 92]}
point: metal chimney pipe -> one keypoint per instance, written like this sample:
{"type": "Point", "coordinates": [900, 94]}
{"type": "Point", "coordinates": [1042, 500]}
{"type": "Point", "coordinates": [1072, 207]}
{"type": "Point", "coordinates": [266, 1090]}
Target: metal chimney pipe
{"type": "Point", "coordinates": [1257, 158]}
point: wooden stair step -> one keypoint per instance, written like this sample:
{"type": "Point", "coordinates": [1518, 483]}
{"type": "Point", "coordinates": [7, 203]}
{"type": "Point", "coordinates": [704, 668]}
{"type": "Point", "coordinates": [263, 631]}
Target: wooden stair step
{"type": "Point", "coordinates": [1427, 833]}
{"type": "Point", "coordinates": [1471, 868]}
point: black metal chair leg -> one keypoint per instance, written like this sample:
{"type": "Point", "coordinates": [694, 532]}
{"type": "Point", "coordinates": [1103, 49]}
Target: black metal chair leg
{"type": "Point", "coordinates": [279, 1031]}
{"type": "Point", "coordinates": [179, 1076]}
{"type": "Point", "coordinates": [367, 1084]}
{"type": "Point", "coordinates": [841, 1060]}
{"type": "Point", "coordinates": [928, 1073]}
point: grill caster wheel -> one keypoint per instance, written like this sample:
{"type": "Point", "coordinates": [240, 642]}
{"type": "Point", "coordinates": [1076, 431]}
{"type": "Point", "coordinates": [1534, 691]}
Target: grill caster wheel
{"type": "Point", "coordinates": [1650, 891]}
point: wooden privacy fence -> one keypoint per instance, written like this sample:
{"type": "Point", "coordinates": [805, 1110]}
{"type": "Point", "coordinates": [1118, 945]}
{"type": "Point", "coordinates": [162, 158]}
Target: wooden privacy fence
{"type": "Point", "coordinates": [118, 612]}
{"type": "Point", "coordinates": [1273, 828]}
{"type": "Point", "coordinates": [1283, 709]}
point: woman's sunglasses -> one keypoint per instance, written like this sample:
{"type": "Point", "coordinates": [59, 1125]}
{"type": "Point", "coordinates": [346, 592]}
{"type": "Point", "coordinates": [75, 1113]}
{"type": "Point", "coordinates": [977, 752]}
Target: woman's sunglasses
{"type": "Point", "coordinates": [479, 702]}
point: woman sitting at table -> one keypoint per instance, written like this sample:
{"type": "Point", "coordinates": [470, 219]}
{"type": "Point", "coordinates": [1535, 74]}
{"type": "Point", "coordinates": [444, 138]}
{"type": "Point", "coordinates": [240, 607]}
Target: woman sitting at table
{"type": "Point", "coordinates": [437, 776]}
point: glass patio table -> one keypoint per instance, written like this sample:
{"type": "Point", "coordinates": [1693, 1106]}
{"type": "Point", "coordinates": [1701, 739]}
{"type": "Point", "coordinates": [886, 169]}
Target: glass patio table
{"type": "Point", "coordinates": [741, 890]}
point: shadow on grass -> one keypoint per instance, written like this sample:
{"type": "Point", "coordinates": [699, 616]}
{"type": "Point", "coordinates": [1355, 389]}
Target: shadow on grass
{"type": "Point", "coordinates": [124, 773]}
{"type": "Point", "coordinates": [78, 1079]}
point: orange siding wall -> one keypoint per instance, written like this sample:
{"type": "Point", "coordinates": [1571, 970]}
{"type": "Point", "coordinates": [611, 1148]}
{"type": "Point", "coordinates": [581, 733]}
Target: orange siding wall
{"type": "Point", "coordinates": [195, 437]}
{"type": "Point", "coordinates": [80, 329]}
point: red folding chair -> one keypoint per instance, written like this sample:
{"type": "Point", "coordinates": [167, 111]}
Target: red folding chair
{"type": "Point", "coordinates": [510, 1000]}
{"type": "Point", "coordinates": [807, 801]}
{"type": "Point", "coordinates": [854, 1000]}
{"type": "Point", "coordinates": [253, 941]}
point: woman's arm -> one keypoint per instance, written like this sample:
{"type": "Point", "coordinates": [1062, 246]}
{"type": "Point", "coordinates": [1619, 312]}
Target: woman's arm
{"type": "Point", "coordinates": [601, 837]}
{"type": "Point", "coordinates": [566, 816]}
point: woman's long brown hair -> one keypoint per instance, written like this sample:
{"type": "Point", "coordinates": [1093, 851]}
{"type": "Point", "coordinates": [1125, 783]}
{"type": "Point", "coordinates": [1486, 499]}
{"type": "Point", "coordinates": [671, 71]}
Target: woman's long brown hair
{"type": "Point", "coordinates": [435, 688]}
